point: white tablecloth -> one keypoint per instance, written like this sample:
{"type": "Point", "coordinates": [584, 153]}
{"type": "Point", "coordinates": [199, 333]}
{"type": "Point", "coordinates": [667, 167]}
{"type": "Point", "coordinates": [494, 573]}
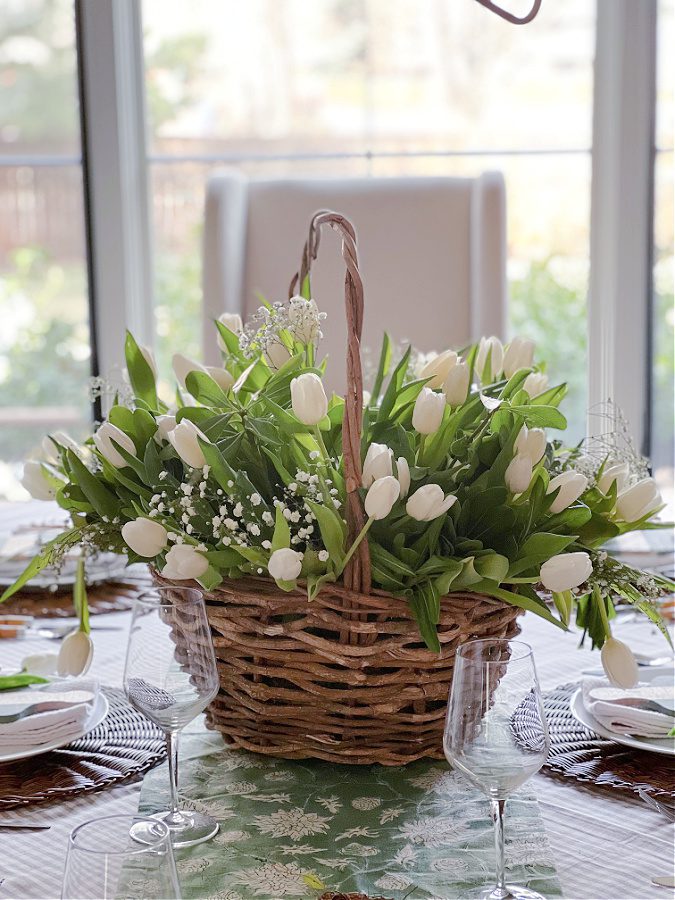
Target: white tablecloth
{"type": "Point", "coordinates": [606, 843]}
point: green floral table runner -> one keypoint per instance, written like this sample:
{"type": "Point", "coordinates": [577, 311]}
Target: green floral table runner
{"type": "Point", "coordinates": [297, 829]}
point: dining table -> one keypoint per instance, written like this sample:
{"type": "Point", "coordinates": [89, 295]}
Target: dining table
{"type": "Point", "coordinates": [606, 843]}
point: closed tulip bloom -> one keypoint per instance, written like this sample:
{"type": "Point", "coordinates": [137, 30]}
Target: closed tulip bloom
{"type": "Point", "coordinates": [638, 501]}
{"type": "Point", "coordinates": [535, 384]}
{"type": "Point", "coordinates": [429, 502]}
{"type": "Point", "coordinates": [518, 474]}
{"type": "Point", "coordinates": [40, 663]}
{"type": "Point", "coordinates": [149, 357]}
{"type": "Point", "coordinates": [428, 411]}
{"type": "Point", "coordinates": [492, 346]}
{"type": "Point", "coordinates": [571, 484]}
{"type": "Point", "coordinates": [184, 439]}
{"type": "Point", "coordinates": [403, 476]}
{"type": "Point", "coordinates": [308, 398]}
{"type": "Point", "coordinates": [381, 496]}
{"type": "Point", "coordinates": [438, 367]}
{"type": "Point", "coordinates": [619, 473]}
{"type": "Point", "coordinates": [285, 564]}
{"type": "Point", "coordinates": [35, 481]}
{"type": "Point", "coordinates": [377, 464]}
{"type": "Point", "coordinates": [531, 442]}
{"type": "Point", "coordinates": [75, 654]}
{"type": "Point", "coordinates": [276, 354]}
{"type": "Point", "coordinates": [519, 355]}
{"type": "Point", "coordinates": [183, 365]}
{"type": "Point", "coordinates": [619, 664]}
{"type": "Point", "coordinates": [145, 536]}
{"type": "Point", "coordinates": [184, 561]}
{"type": "Point", "coordinates": [221, 377]}
{"type": "Point", "coordinates": [456, 384]}
{"type": "Point", "coordinates": [165, 424]}
{"type": "Point", "coordinates": [565, 571]}
{"type": "Point", "coordinates": [103, 442]}
{"type": "Point", "coordinates": [234, 323]}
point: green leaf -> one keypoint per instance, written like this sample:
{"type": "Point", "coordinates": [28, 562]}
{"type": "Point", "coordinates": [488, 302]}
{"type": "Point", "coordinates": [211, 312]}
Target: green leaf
{"type": "Point", "coordinates": [382, 368]}
{"type": "Point", "coordinates": [523, 602]}
{"type": "Point", "coordinates": [333, 531]}
{"type": "Point", "coordinates": [220, 468]}
{"type": "Point", "coordinates": [282, 532]}
{"type": "Point", "coordinates": [205, 390]}
{"type": "Point", "coordinates": [210, 579]}
{"type": "Point", "coordinates": [67, 538]}
{"type": "Point", "coordinates": [538, 548]}
{"type": "Point", "coordinates": [425, 605]}
{"type": "Point", "coordinates": [540, 416]}
{"type": "Point", "coordinates": [316, 582]}
{"type": "Point", "coordinates": [492, 566]}
{"type": "Point", "coordinates": [394, 387]}
{"type": "Point", "coordinates": [230, 339]}
{"type": "Point", "coordinates": [141, 375]}
{"type": "Point", "coordinates": [104, 501]}
{"type": "Point", "coordinates": [223, 559]}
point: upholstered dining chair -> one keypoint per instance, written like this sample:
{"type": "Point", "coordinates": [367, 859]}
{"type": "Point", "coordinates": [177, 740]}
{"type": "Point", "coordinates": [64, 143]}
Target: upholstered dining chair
{"type": "Point", "coordinates": [432, 254]}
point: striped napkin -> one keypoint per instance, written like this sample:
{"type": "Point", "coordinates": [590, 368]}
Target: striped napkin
{"type": "Point", "coordinates": [62, 724]}
{"type": "Point", "coordinates": [603, 702]}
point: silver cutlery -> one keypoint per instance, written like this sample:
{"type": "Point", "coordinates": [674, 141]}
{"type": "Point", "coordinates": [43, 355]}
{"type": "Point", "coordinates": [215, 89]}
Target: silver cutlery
{"type": "Point", "coordinates": [666, 809]}
{"type": "Point", "coordinates": [27, 826]}
{"type": "Point", "coordinates": [647, 705]}
{"type": "Point", "coordinates": [667, 881]}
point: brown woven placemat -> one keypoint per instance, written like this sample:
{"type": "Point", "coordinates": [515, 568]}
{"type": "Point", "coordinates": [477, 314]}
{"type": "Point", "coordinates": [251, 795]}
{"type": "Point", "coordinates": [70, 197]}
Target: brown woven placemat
{"type": "Point", "coordinates": [107, 597]}
{"type": "Point", "coordinates": [579, 753]}
{"type": "Point", "coordinates": [123, 746]}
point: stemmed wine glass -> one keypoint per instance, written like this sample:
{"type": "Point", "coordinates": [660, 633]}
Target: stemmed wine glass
{"type": "Point", "coordinates": [170, 675]}
{"type": "Point", "coordinates": [495, 732]}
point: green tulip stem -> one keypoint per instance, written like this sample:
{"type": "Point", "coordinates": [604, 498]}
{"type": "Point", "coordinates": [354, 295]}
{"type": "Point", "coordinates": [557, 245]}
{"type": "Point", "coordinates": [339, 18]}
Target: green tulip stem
{"type": "Point", "coordinates": [322, 446]}
{"type": "Point", "coordinates": [602, 609]}
{"type": "Point", "coordinates": [80, 598]}
{"type": "Point", "coordinates": [360, 536]}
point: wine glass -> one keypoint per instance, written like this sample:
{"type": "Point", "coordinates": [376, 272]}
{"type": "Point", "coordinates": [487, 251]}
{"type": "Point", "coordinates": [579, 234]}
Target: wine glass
{"type": "Point", "coordinates": [494, 689]}
{"type": "Point", "coordinates": [105, 861]}
{"type": "Point", "coordinates": [170, 675]}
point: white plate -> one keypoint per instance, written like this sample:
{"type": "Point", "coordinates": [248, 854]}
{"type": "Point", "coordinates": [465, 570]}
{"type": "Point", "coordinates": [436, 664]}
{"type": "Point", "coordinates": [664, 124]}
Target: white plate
{"type": "Point", "coordinates": [96, 716]}
{"type": "Point", "coordinates": [654, 745]}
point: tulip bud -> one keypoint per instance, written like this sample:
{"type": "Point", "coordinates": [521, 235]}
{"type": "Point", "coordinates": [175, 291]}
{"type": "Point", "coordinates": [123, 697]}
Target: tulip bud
{"type": "Point", "coordinates": [518, 474]}
{"type": "Point", "coordinates": [535, 384]}
{"type": "Point", "coordinates": [456, 386]}
{"type": "Point", "coordinates": [40, 663]}
{"type": "Point", "coordinates": [438, 368]}
{"type": "Point", "coordinates": [149, 357]}
{"type": "Point", "coordinates": [381, 496]}
{"type": "Point", "coordinates": [403, 476]}
{"type": "Point", "coordinates": [565, 571]}
{"type": "Point", "coordinates": [619, 664]}
{"type": "Point", "coordinates": [276, 354]}
{"type": "Point", "coordinates": [531, 442]}
{"type": "Point", "coordinates": [429, 502]}
{"type": "Point", "coordinates": [183, 561]}
{"type": "Point", "coordinates": [493, 347]}
{"type": "Point", "coordinates": [75, 654]}
{"type": "Point", "coordinates": [165, 424]}
{"type": "Point", "coordinates": [308, 398]}
{"type": "Point", "coordinates": [619, 473]}
{"type": "Point", "coordinates": [103, 439]}
{"type": "Point", "coordinates": [519, 355]}
{"type": "Point", "coordinates": [285, 564]}
{"type": "Point", "coordinates": [36, 482]}
{"type": "Point", "coordinates": [234, 323]}
{"type": "Point", "coordinates": [428, 411]}
{"type": "Point", "coordinates": [366, 398]}
{"type": "Point", "coordinates": [377, 464]}
{"type": "Point", "coordinates": [221, 377]}
{"type": "Point", "coordinates": [144, 536]}
{"type": "Point", "coordinates": [303, 316]}
{"type": "Point", "coordinates": [183, 365]}
{"type": "Point", "coordinates": [184, 439]}
{"type": "Point", "coordinates": [638, 501]}
{"type": "Point", "coordinates": [571, 484]}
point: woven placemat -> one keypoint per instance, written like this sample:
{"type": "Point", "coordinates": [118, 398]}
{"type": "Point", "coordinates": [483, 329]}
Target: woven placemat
{"type": "Point", "coordinates": [579, 753]}
{"type": "Point", "coordinates": [123, 746]}
{"type": "Point", "coordinates": [107, 597]}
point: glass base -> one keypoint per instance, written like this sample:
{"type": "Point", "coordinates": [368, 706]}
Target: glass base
{"type": "Point", "coordinates": [512, 892]}
{"type": "Point", "coordinates": [194, 828]}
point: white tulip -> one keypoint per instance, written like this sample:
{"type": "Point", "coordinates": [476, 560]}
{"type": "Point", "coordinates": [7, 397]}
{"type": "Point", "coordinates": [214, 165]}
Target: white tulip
{"type": "Point", "coordinates": [619, 663]}
{"type": "Point", "coordinates": [40, 663]}
{"type": "Point", "coordinates": [234, 323]}
{"type": "Point", "coordinates": [531, 442]}
{"type": "Point", "coordinates": [103, 439]}
{"type": "Point", "coordinates": [35, 481]}
{"type": "Point", "coordinates": [428, 411]}
{"type": "Point", "coordinates": [276, 354]}
{"type": "Point", "coordinates": [285, 564]}
{"type": "Point", "coordinates": [75, 654]}
{"type": "Point", "coordinates": [221, 376]}
{"type": "Point", "coordinates": [456, 385]}
{"type": "Point", "coordinates": [617, 472]}
{"type": "Point", "coordinates": [367, 396]}
{"type": "Point", "coordinates": [494, 347]}
{"type": "Point", "coordinates": [377, 464]}
{"type": "Point", "coordinates": [165, 424]}
{"type": "Point", "coordinates": [518, 474]}
{"type": "Point", "coordinates": [638, 501]}
{"type": "Point", "coordinates": [429, 502]}
{"type": "Point", "coordinates": [184, 561]}
{"type": "Point", "coordinates": [438, 367]}
{"type": "Point", "coordinates": [149, 357]}
{"type": "Point", "coordinates": [64, 440]}
{"type": "Point", "coordinates": [183, 365]}
{"type": "Point", "coordinates": [303, 316]}
{"type": "Point", "coordinates": [184, 439]}
{"type": "Point", "coordinates": [308, 398]}
{"type": "Point", "coordinates": [571, 484]}
{"type": "Point", "coordinates": [145, 536]}
{"type": "Point", "coordinates": [535, 384]}
{"type": "Point", "coordinates": [565, 571]}
{"type": "Point", "coordinates": [403, 476]}
{"type": "Point", "coordinates": [519, 355]}
{"type": "Point", "coordinates": [381, 496]}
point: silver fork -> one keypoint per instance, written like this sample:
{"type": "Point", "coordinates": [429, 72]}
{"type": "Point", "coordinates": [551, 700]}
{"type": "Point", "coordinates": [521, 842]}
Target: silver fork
{"type": "Point", "coordinates": [666, 809]}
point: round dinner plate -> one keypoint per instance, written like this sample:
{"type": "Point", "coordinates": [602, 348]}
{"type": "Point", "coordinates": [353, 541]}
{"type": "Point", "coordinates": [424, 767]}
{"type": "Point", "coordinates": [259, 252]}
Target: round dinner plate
{"type": "Point", "coordinates": [664, 745]}
{"type": "Point", "coordinates": [96, 716]}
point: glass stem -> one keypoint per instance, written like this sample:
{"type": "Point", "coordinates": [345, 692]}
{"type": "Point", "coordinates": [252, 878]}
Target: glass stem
{"type": "Point", "coordinates": [174, 819]}
{"type": "Point", "coordinates": [497, 811]}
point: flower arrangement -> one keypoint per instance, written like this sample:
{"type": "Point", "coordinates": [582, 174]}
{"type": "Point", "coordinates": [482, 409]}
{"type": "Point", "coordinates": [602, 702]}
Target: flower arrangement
{"type": "Point", "coordinates": [242, 474]}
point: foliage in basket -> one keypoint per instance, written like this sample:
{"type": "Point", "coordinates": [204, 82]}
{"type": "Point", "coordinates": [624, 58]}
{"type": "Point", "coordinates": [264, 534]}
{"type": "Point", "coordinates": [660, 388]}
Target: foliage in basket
{"type": "Point", "coordinates": [243, 473]}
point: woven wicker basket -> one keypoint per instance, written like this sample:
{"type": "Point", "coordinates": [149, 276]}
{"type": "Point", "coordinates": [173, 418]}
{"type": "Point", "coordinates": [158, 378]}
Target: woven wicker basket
{"type": "Point", "coordinates": [344, 678]}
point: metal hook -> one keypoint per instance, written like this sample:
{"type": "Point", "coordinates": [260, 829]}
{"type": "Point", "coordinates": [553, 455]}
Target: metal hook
{"type": "Point", "coordinates": [505, 14]}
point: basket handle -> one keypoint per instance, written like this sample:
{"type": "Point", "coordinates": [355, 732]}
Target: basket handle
{"type": "Point", "coordinates": [356, 576]}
